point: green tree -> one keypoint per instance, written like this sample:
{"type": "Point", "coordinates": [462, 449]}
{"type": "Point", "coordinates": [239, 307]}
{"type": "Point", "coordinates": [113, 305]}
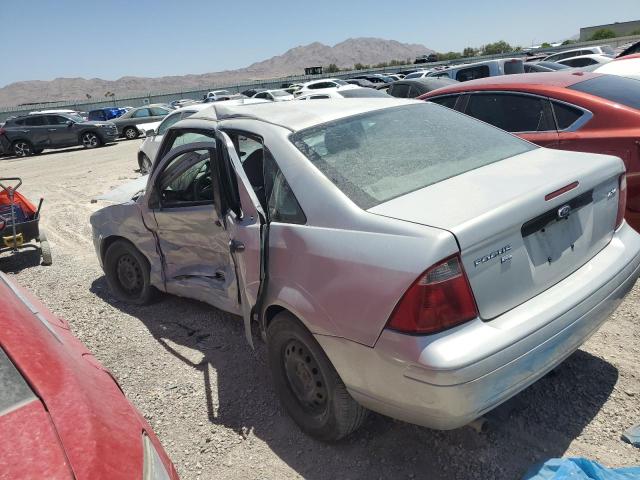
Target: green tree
{"type": "Point", "coordinates": [469, 52]}
{"type": "Point", "coordinates": [449, 56]}
{"type": "Point", "coordinates": [635, 32]}
{"type": "Point", "coordinates": [332, 68]}
{"type": "Point", "coordinates": [568, 42]}
{"type": "Point", "coordinates": [545, 45]}
{"type": "Point", "coordinates": [361, 66]}
{"type": "Point", "coordinates": [603, 34]}
{"type": "Point", "coordinates": [497, 47]}
{"type": "Point", "coordinates": [381, 65]}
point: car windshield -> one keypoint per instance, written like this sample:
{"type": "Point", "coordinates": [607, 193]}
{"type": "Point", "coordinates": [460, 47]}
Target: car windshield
{"type": "Point", "coordinates": [75, 118]}
{"type": "Point", "coordinates": [340, 82]}
{"type": "Point", "coordinates": [380, 155]}
{"type": "Point", "coordinates": [223, 92]}
{"type": "Point", "coordinates": [280, 93]}
{"type": "Point", "coordinates": [625, 91]}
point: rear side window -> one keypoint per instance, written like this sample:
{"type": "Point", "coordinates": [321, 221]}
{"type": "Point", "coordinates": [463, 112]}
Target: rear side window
{"type": "Point", "coordinates": [625, 91]}
{"type": "Point", "coordinates": [158, 111]}
{"type": "Point", "coordinates": [472, 73]}
{"type": "Point", "coordinates": [448, 101]}
{"type": "Point", "coordinates": [579, 62]}
{"type": "Point", "coordinates": [513, 113]}
{"type": "Point", "coordinates": [513, 66]}
{"type": "Point", "coordinates": [386, 153]}
{"type": "Point", "coordinates": [35, 121]}
{"type": "Point", "coordinates": [566, 115]}
{"type": "Point", "coordinates": [97, 115]}
{"type": "Point", "coordinates": [143, 112]}
{"type": "Point", "coordinates": [281, 201]}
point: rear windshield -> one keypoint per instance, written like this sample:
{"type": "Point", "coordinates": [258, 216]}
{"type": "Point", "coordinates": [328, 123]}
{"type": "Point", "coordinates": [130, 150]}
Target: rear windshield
{"type": "Point", "coordinates": [513, 66]}
{"type": "Point", "coordinates": [625, 91]}
{"type": "Point", "coordinates": [380, 155]}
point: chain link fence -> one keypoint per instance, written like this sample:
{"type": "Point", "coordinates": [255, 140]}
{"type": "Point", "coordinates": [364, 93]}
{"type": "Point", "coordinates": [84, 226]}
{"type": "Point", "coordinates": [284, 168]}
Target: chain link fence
{"type": "Point", "coordinates": [167, 97]}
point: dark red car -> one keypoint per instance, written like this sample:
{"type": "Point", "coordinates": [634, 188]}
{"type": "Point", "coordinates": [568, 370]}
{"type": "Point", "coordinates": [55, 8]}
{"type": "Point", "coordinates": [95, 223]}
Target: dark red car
{"type": "Point", "coordinates": [62, 415]}
{"type": "Point", "coordinates": [580, 111]}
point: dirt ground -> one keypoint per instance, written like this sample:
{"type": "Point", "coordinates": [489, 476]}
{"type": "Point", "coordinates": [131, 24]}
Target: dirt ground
{"type": "Point", "coordinates": [208, 396]}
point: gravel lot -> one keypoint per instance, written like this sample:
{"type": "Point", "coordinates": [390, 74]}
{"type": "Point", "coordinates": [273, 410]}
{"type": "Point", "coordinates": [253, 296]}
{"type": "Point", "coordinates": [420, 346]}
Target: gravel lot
{"type": "Point", "coordinates": [187, 367]}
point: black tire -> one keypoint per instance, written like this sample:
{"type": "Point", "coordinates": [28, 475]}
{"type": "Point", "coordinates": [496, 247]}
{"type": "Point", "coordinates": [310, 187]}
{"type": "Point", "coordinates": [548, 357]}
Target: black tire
{"type": "Point", "coordinates": [90, 140]}
{"type": "Point", "coordinates": [127, 272]}
{"type": "Point", "coordinates": [144, 163]}
{"type": "Point", "coordinates": [131, 133]}
{"type": "Point", "coordinates": [22, 148]}
{"type": "Point", "coordinates": [308, 386]}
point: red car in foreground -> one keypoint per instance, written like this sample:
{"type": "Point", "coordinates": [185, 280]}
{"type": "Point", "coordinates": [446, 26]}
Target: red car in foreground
{"type": "Point", "coordinates": [62, 415]}
{"type": "Point", "coordinates": [580, 111]}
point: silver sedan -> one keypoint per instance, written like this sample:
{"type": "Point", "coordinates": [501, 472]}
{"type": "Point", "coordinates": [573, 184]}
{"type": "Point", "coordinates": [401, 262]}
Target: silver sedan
{"type": "Point", "coordinates": [397, 256]}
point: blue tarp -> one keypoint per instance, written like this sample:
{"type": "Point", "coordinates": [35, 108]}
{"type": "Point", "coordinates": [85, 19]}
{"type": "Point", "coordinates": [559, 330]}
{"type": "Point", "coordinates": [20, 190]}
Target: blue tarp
{"type": "Point", "coordinates": [579, 469]}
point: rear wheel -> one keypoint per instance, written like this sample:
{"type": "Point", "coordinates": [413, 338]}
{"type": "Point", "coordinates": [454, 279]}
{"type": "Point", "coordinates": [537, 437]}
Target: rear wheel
{"type": "Point", "coordinates": [145, 163]}
{"type": "Point", "coordinates": [127, 272]}
{"type": "Point", "coordinates": [131, 133]}
{"type": "Point", "coordinates": [23, 148]}
{"type": "Point", "coordinates": [90, 140]}
{"type": "Point", "coordinates": [308, 386]}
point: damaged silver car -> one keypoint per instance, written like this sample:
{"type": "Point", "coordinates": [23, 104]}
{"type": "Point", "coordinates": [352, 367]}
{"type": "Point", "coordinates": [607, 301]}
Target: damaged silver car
{"type": "Point", "coordinates": [396, 255]}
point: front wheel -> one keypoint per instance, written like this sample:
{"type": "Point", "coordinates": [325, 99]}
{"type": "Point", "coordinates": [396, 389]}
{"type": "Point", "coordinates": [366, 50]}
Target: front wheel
{"type": "Point", "coordinates": [127, 272]}
{"type": "Point", "coordinates": [90, 140]}
{"type": "Point", "coordinates": [308, 386]}
{"type": "Point", "coordinates": [131, 133]}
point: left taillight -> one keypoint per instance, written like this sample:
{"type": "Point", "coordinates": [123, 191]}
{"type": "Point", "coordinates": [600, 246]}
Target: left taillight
{"type": "Point", "coordinates": [439, 299]}
{"type": "Point", "coordinates": [622, 199]}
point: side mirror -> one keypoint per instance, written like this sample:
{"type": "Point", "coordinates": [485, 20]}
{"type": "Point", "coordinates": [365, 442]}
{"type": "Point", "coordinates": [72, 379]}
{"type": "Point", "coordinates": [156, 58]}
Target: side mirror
{"type": "Point", "coordinates": [150, 133]}
{"type": "Point", "coordinates": [68, 123]}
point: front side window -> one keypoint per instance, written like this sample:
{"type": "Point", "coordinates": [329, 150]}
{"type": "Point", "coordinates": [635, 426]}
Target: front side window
{"type": "Point", "coordinates": [143, 112]}
{"type": "Point", "coordinates": [377, 156]}
{"type": "Point", "coordinates": [513, 113]}
{"type": "Point", "coordinates": [186, 180]}
{"type": "Point", "coordinates": [472, 73]}
{"type": "Point", "coordinates": [57, 120]}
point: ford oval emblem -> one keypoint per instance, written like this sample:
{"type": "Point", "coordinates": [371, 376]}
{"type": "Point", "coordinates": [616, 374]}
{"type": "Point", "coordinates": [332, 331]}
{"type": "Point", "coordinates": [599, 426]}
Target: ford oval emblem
{"type": "Point", "coordinates": [564, 211]}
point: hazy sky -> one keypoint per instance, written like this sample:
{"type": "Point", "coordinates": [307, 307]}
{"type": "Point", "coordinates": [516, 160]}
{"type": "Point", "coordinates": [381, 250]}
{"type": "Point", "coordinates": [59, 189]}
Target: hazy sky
{"type": "Point", "coordinates": [113, 38]}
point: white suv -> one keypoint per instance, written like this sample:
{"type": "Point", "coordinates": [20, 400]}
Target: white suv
{"type": "Point", "coordinates": [322, 85]}
{"type": "Point", "coordinates": [575, 52]}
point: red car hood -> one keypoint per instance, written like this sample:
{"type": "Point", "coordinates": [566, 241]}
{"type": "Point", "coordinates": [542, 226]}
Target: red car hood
{"type": "Point", "coordinates": [99, 431]}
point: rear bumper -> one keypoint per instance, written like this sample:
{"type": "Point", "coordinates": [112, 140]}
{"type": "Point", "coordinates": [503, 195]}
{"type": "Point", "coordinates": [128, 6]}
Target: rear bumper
{"type": "Point", "coordinates": [446, 380]}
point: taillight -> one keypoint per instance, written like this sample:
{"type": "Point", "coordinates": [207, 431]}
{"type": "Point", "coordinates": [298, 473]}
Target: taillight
{"type": "Point", "coordinates": [622, 199]}
{"type": "Point", "coordinates": [2, 131]}
{"type": "Point", "coordinates": [440, 298]}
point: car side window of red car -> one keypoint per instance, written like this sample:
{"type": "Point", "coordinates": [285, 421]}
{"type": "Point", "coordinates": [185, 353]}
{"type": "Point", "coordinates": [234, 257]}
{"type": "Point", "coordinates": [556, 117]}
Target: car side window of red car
{"type": "Point", "coordinates": [566, 115]}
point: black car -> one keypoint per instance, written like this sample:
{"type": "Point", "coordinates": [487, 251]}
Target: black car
{"type": "Point", "coordinates": [414, 87]}
{"type": "Point", "coordinates": [31, 134]}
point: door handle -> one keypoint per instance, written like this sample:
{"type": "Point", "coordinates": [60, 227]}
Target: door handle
{"type": "Point", "coordinates": [52, 129]}
{"type": "Point", "coordinates": [236, 246]}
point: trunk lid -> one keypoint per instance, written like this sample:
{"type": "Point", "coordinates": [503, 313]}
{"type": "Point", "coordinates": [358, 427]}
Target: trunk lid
{"type": "Point", "coordinates": [514, 243]}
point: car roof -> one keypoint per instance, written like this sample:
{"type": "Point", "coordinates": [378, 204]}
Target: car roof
{"type": "Point", "coordinates": [296, 116]}
{"type": "Point", "coordinates": [558, 78]}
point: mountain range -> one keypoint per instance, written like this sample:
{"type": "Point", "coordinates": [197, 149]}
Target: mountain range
{"type": "Point", "coordinates": [368, 51]}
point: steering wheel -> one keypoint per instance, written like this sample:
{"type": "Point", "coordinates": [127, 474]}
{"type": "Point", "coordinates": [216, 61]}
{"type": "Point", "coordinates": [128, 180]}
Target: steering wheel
{"type": "Point", "coordinates": [203, 188]}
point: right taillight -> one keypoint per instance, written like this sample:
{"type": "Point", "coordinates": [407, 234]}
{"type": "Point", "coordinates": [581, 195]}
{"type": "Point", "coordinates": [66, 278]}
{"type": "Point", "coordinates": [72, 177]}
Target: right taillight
{"type": "Point", "coordinates": [440, 298]}
{"type": "Point", "coordinates": [622, 199]}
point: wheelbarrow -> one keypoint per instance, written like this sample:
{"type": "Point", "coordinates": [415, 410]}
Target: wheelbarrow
{"type": "Point", "coordinates": [20, 221]}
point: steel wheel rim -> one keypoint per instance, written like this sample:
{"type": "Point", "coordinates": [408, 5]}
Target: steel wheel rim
{"type": "Point", "coordinates": [90, 140]}
{"type": "Point", "coordinates": [22, 149]}
{"type": "Point", "coordinates": [129, 274]}
{"type": "Point", "coordinates": [305, 379]}
{"type": "Point", "coordinates": [130, 133]}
